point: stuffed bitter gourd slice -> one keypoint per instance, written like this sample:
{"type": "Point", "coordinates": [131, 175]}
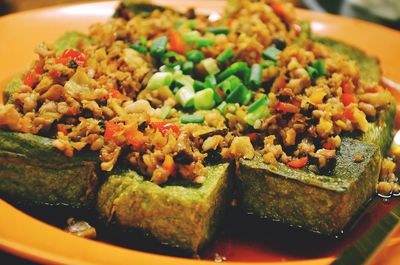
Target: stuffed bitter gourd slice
{"type": "Point", "coordinates": [323, 204]}
{"type": "Point", "coordinates": [33, 171]}
{"type": "Point", "coordinates": [184, 216]}
{"type": "Point", "coordinates": [318, 203]}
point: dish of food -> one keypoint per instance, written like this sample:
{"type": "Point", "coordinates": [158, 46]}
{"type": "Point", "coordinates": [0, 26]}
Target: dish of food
{"type": "Point", "coordinates": [158, 121]}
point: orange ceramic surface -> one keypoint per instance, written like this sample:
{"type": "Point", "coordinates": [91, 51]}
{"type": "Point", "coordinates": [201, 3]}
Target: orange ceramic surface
{"type": "Point", "coordinates": [25, 236]}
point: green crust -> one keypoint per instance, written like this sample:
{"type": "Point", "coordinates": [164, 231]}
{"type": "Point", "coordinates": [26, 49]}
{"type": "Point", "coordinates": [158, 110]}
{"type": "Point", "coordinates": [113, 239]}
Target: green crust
{"type": "Point", "coordinates": [323, 204]}
{"type": "Point", "coordinates": [33, 171]}
{"type": "Point", "coordinates": [180, 216]}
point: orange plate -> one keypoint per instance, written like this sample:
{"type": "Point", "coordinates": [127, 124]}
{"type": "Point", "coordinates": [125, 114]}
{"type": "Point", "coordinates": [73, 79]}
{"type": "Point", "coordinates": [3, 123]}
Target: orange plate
{"type": "Point", "coordinates": [25, 236]}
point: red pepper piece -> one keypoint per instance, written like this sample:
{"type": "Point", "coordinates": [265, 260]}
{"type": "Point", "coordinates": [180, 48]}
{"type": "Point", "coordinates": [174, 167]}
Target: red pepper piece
{"type": "Point", "coordinates": [347, 99]}
{"type": "Point", "coordinates": [287, 108]}
{"type": "Point", "coordinates": [176, 42]}
{"type": "Point", "coordinates": [349, 114]}
{"type": "Point", "coordinates": [164, 127]}
{"type": "Point", "coordinates": [298, 163]}
{"type": "Point", "coordinates": [111, 129]}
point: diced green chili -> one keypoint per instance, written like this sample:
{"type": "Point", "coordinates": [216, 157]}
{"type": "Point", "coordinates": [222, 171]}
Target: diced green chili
{"type": "Point", "coordinates": [218, 30]}
{"type": "Point", "coordinates": [195, 118]}
{"type": "Point", "coordinates": [158, 46]}
{"type": "Point", "coordinates": [255, 76]}
{"type": "Point", "coordinates": [225, 55]}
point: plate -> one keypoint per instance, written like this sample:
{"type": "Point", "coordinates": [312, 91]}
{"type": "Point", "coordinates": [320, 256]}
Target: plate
{"type": "Point", "coordinates": [30, 238]}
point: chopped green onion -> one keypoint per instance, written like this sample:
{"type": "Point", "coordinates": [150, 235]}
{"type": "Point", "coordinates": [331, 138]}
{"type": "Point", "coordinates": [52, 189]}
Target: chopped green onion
{"type": "Point", "coordinates": [195, 118]}
{"type": "Point", "coordinates": [165, 112]}
{"type": "Point", "coordinates": [185, 96]}
{"type": "Point", "coordinates": [188, 67]}
{"type": "Point", "coordinates": [255, 76]}
{"type": "Point", "coordinates": [171, 59]}
{"type": "Point", "coordinates": [204, 42]}
{"type": "Point", "coordinates": [225, 55]}
{"type": "Point", "coordinates": [138, 47]}
{"type": "Point", "coordinates": [258, 110]}
{"type": "Point", "coordinates": [271, 53]}
{"type": "Point", "coordinates": [319, 65]}
{"type": "Point", "coordinates": [238, 68]}
{"type": "Point", "coordinates": [194, 56]}
{"type": "Point", "coordinates": [222, 107]}
{"type": "Point", "coordinates": [218, 30]}
{"type": "Point", "coordinates": [210, 81]}
{"type": "Point", "coordinates": [191, 37]}
{"type": "Point", "coordinates": [158, 46]}
{"type": "Point", "coordinates": [258, 103]}
{"type": "Point", "coordinates": [178, 24]}
{"type": "Point", "coordinates": [229, 84]}
{"type": "Point", "coordinates": [217, 97]}
{"type": "Point", "coordinates": [160, 79]}
{"type": "Point", "coordinates": [237, 95]}
{"type": "Point", "coordinates": [312, 72]}
{"type": "Point", "coordinates": [204, 99]}
{"type": "Point", "coordinates": [247, 97]}
{"type": "Point", "coordinates": [197, 85]}
{"type": "Point", "coordinates": [143, 40]}
{"type": "Point", "coordinates": [267, 64]}
{"type": "Point", "coordinates": [185, 80]}
{"type": "Point", "coordinates": [211, 66]}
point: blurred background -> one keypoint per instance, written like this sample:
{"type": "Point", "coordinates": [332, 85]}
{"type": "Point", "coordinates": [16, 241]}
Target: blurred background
{"type": "Point", "coordinates": [386, 12]}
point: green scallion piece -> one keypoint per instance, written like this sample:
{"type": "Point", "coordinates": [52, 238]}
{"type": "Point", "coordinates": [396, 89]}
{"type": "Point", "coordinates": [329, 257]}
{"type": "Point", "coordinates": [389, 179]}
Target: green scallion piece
{"type": "Point", "coordinates": [255, 76]}
{"type": "Point", "coordinates": [271, 53]}
{"type": "Point", "coordinates": [195, 118]}
{"type": "Point", "coordinates": [159, 46]}
{"type": "Point", "coordinates": [237, 95]}
{"type": "Point", "coordinates": [230, 84]}
{"type": "Point", "coordinates": [210, 81]}
{"type": "Point", "coordinates": [204, 42]}
{"type": "Point", "coordinates": [225, 55]}
{"type": "Point", "coordinates": [160, 79]}
{"type": "Point", "coordinates": [197, 85]}
{"type": "Point", "coordinates": [191, 37]}
{"type": "Point", "coordinates": [238, 68]}
{"type": "Point", "coordinates": [165, 112]}
{"type": "Point", "coordinates": [247, 97]}
{"type": "Point", "coordinates": [211, 66]}
{"type": "Point", "coordinates": [185, 96]}
{"type": "Point", "coordinates": [171, 59]}
{"type": "Point", "coordinates": [258, 103]}
{"type": "Point", "coordinates": [218, 30]}
{"type": "Point", "coordinates": [222, 107]}
{"type": "Point", "coordinates": [204, 99]}
{"type": "Point", "coordinates": [312, 72]}
{"type": "Point", "coordinates": [195, 56]}
{"type": "Point", "coordinates": [188, 67]}
{"type": "Point", "coordinates": [138, 47]}
{"type": "Point", "coordinates": [320, 67]}
{"type": "Point", "coordinates": [267, 64]}
{"type": "Point", "coordinates": [143, 40]}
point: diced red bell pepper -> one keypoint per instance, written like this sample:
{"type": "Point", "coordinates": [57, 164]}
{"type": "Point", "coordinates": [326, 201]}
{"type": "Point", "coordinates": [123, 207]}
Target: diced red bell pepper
{"type": "Point", "coordinates": [347, 99]}
{"type": "Point", "coordinates": [298, 163]}
{"type": "Point", "coordinates": [111, 129]}
{"type": "Point", "coordinates": [164, 127]}
{"type": "Point", "coordinates": [71, 54]}
{"type": "Point", "coordinates": [279, 9]}
{"type": "Point", "coordinates": [114, 93]}
{"type": "Point", "coordinates": [349, 114]}
{"type": "Point", "coordinates": [347, 87]}
{"type": "Point", "coordinates": [31, 78]}
{"type": "Point", "coordinates": [253, 137]}
{"type": "Point", "coordinates": [62, 128]}
{"type": "Point", "coordinates": [169, 165]}
{"type": "Point", "coordinates": [287, 108]}
{"type": "Point", "coordinates": [134, 138]}
{"type": "Point", "coordinates": [328, 146]}
{"type": "Point", "coordinates": [176, 42]}
{"type": "Point", "coordinates": [220, 92]}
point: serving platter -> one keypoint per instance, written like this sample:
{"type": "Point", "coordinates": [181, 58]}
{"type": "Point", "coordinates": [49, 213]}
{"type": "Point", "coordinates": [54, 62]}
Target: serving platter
{"type": "Point", "coordinates": [33, 239]}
